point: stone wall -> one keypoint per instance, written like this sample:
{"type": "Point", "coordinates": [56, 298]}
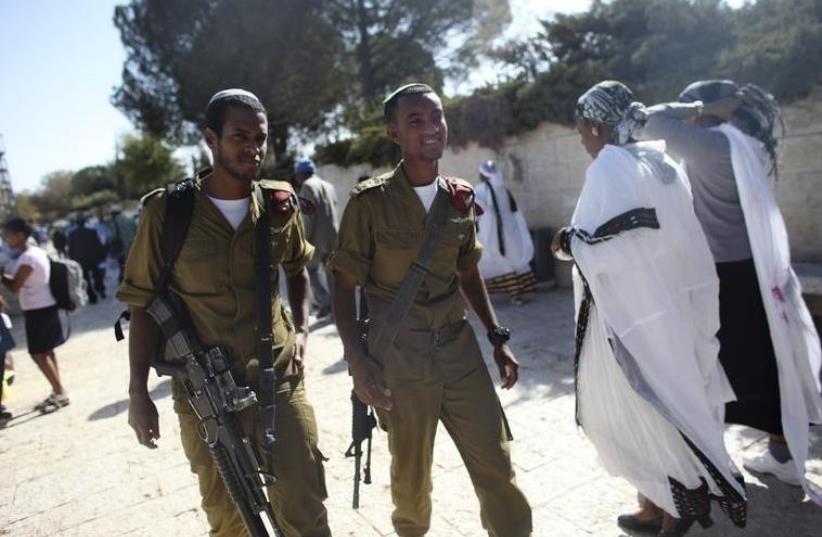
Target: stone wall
{"type": "Point", "coordinates": [545, 169]}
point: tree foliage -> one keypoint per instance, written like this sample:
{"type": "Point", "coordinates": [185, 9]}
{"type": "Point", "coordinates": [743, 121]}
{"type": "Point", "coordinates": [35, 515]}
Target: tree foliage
{"type": "Point", "coordinates": [93, 179]}
{"type": "Point", "coordinates": [180, 52]}
{"type": "Point", "coordinates": [54, 198]}
{"type": "Point", "coordinates": [146, 163]}
{"type": "Point", "coordinates": [143, 163]}
{"type": "Point", "coordinates": [656, 47]}
{"type": "Point", "coordinates": [778, 45]}
{"type": "Point", "coordinates": [317, 65]}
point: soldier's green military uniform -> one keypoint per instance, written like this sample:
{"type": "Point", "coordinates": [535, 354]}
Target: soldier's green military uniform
{"type": "Point", "coordinates": [214, 276]}
{"type": "Point", "coordinates": [434, 369]}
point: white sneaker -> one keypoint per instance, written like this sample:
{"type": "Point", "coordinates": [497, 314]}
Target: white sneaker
{"type": "Point", "coordinates": [765, 463]}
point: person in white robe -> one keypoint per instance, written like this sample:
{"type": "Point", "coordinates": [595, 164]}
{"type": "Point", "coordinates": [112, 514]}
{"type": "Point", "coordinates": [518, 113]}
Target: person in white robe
{"type": "Point", "coordinates": [769, 346]}
{"type": "Point", "coordinates": [503, 233]}
{"type": "Point", "coordinates": [650, 388]}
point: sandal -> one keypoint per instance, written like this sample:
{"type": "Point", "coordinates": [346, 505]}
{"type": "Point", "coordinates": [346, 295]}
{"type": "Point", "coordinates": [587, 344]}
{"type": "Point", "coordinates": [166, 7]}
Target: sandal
{"type": "Point", "coordinates": [52, 402]}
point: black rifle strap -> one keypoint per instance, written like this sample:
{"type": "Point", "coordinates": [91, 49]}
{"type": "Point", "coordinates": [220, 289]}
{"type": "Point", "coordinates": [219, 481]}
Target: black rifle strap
{"type": "Point", "coordinates": [263, 270]}
{"type": "Point", "coordinates": [401, 305]}
{"type": "Point", "coordinates": [179, 211]}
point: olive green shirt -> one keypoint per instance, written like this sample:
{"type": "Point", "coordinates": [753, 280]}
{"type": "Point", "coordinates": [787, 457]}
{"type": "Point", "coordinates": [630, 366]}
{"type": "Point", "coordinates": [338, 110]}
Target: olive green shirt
{"type": "Point", "coordinates": [214, 275]}
{"type": "Point", "coordinates": [381, 232]}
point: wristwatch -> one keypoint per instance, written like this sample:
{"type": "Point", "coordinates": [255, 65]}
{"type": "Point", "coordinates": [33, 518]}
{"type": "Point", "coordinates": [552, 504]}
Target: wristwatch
{"type": "Point", "coordinates": [499, 335]}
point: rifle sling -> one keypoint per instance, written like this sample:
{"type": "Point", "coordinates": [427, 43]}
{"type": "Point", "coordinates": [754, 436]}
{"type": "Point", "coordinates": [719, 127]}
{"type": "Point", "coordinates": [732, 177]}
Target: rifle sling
{"type": "Point", "coordinates": [415, 275]}
{"type": "Point", "coordinates": [263, 270]}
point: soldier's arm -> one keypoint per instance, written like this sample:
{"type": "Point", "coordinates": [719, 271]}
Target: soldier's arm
{"type": "Point", "coordinates": [368, 379]}
{"type": "Point", "coordinates": [473, 288]}
{"type": "Point", "coordinates": [297, 284]}
{"type": "Point", "coordinates": [298, 254]}
{"type": "Point", "coordinates": [350, 263]}
{"type": "Point", "coordinates": [137, 290]}
{"type": "Point", "coordinates": [345, 315]}
{"type": "Point", "coordinates": [142, 413]}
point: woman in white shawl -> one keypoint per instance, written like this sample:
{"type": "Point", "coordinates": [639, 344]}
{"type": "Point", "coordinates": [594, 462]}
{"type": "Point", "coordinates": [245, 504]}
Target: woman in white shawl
{"type": "Point", "coordinates": [503, 233]}
{"type": "Point", "coordinates": [650, 390]}
{"type": "Point", "coordinates": [769, 347]}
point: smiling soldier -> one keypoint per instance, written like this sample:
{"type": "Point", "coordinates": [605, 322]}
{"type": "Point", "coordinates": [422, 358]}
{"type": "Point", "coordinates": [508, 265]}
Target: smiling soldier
{"type": "Point", "coordinates": [409, 238]}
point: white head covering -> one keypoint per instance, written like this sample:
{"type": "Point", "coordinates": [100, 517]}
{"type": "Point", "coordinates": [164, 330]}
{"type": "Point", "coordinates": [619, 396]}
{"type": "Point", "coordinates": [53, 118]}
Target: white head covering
{"type": "Point", "coordinates": [231, 92]}
{"type": "Point", "coordinates": [489, 170]}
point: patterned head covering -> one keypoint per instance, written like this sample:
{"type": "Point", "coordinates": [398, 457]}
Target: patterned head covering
{"type": "Point", "coordinates": [756, 116]}
{"type": "Point", "coordinates": [612, 103]}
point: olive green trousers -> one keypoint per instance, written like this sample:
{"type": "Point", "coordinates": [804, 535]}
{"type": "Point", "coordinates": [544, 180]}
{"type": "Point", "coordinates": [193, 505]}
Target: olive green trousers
{"type": "Point", "coordinates": [437, 376]}
{"type": "Point", "coordinates": [297, 496]}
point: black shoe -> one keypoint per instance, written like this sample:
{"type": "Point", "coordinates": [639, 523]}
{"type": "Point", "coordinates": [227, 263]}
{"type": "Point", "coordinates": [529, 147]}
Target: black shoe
{"type": "Point", "coordinates": [5, 417]}
{"type": "Point", "coordinates": [683, 525]}
{"type": "Point", "coordinates": [632, 523]}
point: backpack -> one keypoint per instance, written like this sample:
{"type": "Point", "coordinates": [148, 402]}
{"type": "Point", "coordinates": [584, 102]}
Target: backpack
{"type": "Point", "coordinates": [67, 284]}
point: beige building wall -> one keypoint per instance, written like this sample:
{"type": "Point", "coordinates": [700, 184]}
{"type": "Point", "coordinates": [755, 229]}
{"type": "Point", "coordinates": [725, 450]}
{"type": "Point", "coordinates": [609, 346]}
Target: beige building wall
{"type": "Point", "coordinates": [545, 169]}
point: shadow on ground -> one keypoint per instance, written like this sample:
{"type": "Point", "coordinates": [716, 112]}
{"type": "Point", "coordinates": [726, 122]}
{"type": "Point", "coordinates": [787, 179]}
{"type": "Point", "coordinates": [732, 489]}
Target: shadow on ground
{"type": "Point", "coordinates": [162, 390]}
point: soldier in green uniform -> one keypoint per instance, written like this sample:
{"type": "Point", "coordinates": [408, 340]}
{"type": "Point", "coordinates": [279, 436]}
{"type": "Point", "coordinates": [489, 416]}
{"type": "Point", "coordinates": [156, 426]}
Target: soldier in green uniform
{"type": "Point", "coordinates": [434, 369]}
{"type": "Point", "coordinates": [214, 278]}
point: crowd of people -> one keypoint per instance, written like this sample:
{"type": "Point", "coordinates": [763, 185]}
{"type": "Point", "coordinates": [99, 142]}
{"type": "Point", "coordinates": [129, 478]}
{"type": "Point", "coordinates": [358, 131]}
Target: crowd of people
{"type": "Point", "coordinates": [27, 274]}
{"type": "Point", "coordinates": [688, 314]}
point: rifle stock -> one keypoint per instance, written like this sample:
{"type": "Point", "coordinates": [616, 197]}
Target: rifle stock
{"type": "Point", "coordinates": [217, 401]}
{"type": "Point", "coordinates": [363, 421]}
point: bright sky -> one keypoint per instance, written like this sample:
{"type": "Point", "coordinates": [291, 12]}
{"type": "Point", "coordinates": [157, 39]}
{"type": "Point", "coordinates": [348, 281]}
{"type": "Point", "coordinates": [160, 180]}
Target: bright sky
{"type": "Point", "coordinates": [59, 62]}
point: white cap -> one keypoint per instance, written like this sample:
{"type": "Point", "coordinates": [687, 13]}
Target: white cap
{"type": "Point", "coordinates": [231, 93]}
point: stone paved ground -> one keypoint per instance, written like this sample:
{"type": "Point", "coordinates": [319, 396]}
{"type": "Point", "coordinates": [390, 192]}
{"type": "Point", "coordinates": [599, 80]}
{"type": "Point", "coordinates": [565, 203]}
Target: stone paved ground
{"type": "Point", "coordinates": [79, 473]}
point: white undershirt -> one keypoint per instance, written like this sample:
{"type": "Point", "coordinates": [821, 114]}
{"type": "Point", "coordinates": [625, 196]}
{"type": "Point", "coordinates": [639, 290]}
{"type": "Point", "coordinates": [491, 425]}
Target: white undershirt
{"type": "Point", "coordinates": [233, 210]}
{"type": "Point", "coordinates": [427, 194]}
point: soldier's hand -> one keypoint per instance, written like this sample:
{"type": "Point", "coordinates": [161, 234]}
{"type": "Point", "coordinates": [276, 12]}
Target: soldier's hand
{"type": "Point", "coordinates": [300, 343]}
{"type": "Point", "coordinates": [143, 418]}
{"type": "Point", "coordinates": [507, 364]}
{"type": "Point", "coordinates": [369, 383]}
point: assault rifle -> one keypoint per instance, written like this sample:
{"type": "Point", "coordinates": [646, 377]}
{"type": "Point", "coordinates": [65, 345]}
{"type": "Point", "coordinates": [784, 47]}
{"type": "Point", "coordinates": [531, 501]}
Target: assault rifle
{"type": "Point", "coordinates": [363, 421]}
{"type": "Point", "coordinates": [362, 425]}
{"type": "Point", "coordinates": [216, 400]}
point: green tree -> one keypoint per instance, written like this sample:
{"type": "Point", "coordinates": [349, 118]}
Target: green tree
{"type": "Point", "coordinates": [53, 199]}
{"type": "Point", "coordinates": [145, 163]}
{"type": "Point", "coordinates": [93, 179]}
{"type": "Point", "coordinates": [180, 52]}
{"type": "Point", "coordinates": [778, 45]}
{"type": "Point", "coordinates": [388, 42]}
{"type": "Point", "coordinates": [317, 65]}
{"type": "Point", "coordinates": [27, 205]}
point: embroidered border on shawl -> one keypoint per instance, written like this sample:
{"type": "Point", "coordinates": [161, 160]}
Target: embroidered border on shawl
{"type": "Point", "coordinates": [627, 221]}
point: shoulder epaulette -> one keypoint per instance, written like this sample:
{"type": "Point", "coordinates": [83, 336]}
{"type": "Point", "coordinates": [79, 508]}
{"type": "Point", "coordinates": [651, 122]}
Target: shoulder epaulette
{"type": "Point", "coordinates": [371, 183]}
{"type": "Point", "coordinates": [461, 193]}
{"type": "Point", "coordinates": [151, 195]}
{"type": "Point", "coordinates": [459, 181]}
{"type": "Point", "coordinates": [271, 184]}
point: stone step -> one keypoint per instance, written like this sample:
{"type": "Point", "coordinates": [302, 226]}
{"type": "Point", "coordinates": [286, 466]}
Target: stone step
{"type": "Point", "coordinates": [810, 275]}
